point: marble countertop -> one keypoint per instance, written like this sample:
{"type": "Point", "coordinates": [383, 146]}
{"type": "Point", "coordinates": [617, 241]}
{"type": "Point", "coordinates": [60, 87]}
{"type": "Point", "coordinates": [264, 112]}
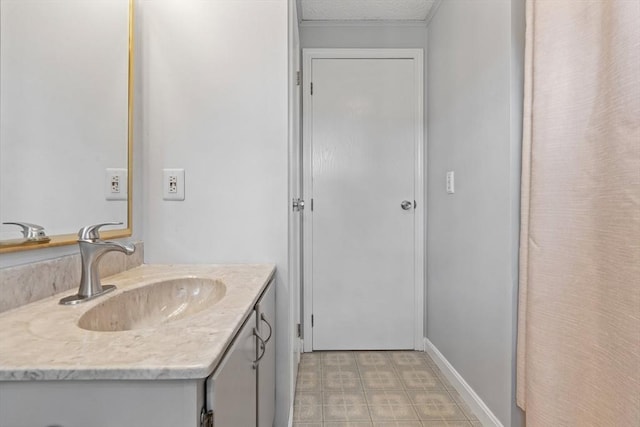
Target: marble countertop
{"type": "Point", "coordinates": [42, 341]}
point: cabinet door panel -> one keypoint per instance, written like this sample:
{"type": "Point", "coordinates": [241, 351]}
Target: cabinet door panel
{"type": "Point", "coordinates": [266, 308]}
{"type": "Point", "coordinates": [232, 388]}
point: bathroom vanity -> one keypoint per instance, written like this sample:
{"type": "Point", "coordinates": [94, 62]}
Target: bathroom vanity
{"type": "Point", "coordinates": [173, 345]}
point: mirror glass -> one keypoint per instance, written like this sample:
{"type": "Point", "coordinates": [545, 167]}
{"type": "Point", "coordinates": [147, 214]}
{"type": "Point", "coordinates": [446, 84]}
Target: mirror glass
{"type": "Point", "coordinates": [65, 137]}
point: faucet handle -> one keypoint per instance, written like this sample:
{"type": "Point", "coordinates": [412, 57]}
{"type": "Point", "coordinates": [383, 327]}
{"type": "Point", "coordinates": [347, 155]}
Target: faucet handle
{"type": "Point", "coordinates": [31, 232]}
{"type": "Point", "coordinates": [91, 233]}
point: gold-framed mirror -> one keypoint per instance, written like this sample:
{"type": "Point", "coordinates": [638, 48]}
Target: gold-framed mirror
{"type": "Point", "coordinates": [66, 119]}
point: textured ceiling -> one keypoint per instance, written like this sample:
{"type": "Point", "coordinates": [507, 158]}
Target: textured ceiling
{"type": "Point", "coordinates": [368, 10]}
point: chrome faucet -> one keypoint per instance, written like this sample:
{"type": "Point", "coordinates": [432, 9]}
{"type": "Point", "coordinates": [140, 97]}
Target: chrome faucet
{"type": "Point", "coordinates": [91, 250]}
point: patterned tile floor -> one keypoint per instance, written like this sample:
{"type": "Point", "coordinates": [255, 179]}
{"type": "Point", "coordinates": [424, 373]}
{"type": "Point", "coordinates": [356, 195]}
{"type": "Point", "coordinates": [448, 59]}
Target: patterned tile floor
{"type": "Point", "coordinates": [376, 389]}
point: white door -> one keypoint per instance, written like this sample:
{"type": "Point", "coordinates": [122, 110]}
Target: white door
{"type": "Point", "coordinates": [363, 127]}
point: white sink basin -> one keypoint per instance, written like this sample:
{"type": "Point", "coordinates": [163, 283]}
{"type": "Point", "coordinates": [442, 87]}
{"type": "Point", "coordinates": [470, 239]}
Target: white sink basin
{"type": "Point", "coordinates": [153, 305]}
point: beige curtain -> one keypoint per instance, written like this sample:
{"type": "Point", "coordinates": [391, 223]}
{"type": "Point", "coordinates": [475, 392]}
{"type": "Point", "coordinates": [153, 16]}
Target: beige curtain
{"type": "Point", "coordinates": [579, 311]}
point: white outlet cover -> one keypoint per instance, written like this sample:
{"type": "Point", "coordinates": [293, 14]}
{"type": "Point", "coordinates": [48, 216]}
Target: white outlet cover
{"type": "Point", "coordinates": [117, 191]}
{"type": "Point", "coordinates": [178, 174]}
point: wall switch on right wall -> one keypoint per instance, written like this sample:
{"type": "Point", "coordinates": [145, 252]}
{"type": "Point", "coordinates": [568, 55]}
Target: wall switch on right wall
{"type": "Point", "coordinates": [451, 188]}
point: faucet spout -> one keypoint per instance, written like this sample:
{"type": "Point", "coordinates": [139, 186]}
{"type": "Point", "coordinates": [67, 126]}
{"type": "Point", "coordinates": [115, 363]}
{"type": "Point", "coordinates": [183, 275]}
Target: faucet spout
{"type": "Point", "coordinates": [92, 249]}
{"type": "Point", "coordinates": [108, 246]}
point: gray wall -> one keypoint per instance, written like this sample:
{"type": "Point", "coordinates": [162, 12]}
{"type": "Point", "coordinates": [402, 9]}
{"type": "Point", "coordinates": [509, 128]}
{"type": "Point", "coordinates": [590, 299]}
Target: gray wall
{"type": "Point", "coordinates": [475, 52]}
{"type": "Point", "coordinates": [362, 36]}
{"type": "Point", "coordinates": [215, 102]}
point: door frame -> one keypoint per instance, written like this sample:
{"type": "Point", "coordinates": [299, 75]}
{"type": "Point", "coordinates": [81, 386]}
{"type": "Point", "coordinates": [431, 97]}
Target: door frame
{"type": "Point", "coordinates": [295, 191]}
{"type": "Point", "coordinates": [417, 55]}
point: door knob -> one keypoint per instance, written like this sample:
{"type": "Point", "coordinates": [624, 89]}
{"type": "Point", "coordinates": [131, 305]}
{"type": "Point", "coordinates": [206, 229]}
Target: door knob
{"type": "Point", "coordinates": [406, 205]}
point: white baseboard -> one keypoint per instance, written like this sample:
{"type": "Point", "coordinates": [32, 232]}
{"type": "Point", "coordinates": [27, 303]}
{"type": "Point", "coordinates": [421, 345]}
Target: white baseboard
{"type": "Point", "coordinates": [470, 397]}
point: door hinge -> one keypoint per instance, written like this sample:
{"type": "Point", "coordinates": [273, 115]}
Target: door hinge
{"type": "Point", "coordinates": [299, 330]}
{"type": "Point", "coordinates": [312, 322]}
{"type": "Point", "coordinates": [311, 88]}
{"type": "Point", "coordinates": [297, 205]}
{"type": "Point", "coordinates": [311, 205]}
{"type": "Point", "coordinates": [298, 78]}
{"type": "Point", "coordinates": [206, 418]}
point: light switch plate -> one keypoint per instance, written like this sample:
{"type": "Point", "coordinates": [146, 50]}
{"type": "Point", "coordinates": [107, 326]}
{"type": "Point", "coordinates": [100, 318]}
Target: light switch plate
{"type": "Point", "coordinates": [115, 184]}
{"type": "Point", "coordinates": [451, 185]}
{"type": "Point", "coordinates": [173, 184]}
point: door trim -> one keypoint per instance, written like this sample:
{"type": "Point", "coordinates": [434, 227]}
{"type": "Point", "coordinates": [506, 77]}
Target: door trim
{"type": "Point", "coordinates": [419, 179]}
{"type": "Point", "coordinates": [295, 191]}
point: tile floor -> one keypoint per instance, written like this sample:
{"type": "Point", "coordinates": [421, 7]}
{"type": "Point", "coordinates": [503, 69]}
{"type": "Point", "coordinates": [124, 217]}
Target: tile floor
{"type": "Point", "coordinates": [376, 389]}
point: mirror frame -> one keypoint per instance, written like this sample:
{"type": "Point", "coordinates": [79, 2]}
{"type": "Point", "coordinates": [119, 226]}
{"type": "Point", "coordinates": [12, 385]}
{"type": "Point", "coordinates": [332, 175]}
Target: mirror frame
{"type": "Point", "coordinates": [71, 239]}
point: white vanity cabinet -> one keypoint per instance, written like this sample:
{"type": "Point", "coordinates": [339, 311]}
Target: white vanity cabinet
{"type": "Point", "coordinates": [241, 391]}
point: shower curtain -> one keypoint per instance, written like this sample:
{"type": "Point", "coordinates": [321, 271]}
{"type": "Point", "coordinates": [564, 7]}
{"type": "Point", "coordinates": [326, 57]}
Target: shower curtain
{"type": "Point", "coordinates": [579, 309]}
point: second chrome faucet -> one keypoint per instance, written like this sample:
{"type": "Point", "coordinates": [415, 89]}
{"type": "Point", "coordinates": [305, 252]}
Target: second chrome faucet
{"type": "Point", "coordinates": [92, 248]}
